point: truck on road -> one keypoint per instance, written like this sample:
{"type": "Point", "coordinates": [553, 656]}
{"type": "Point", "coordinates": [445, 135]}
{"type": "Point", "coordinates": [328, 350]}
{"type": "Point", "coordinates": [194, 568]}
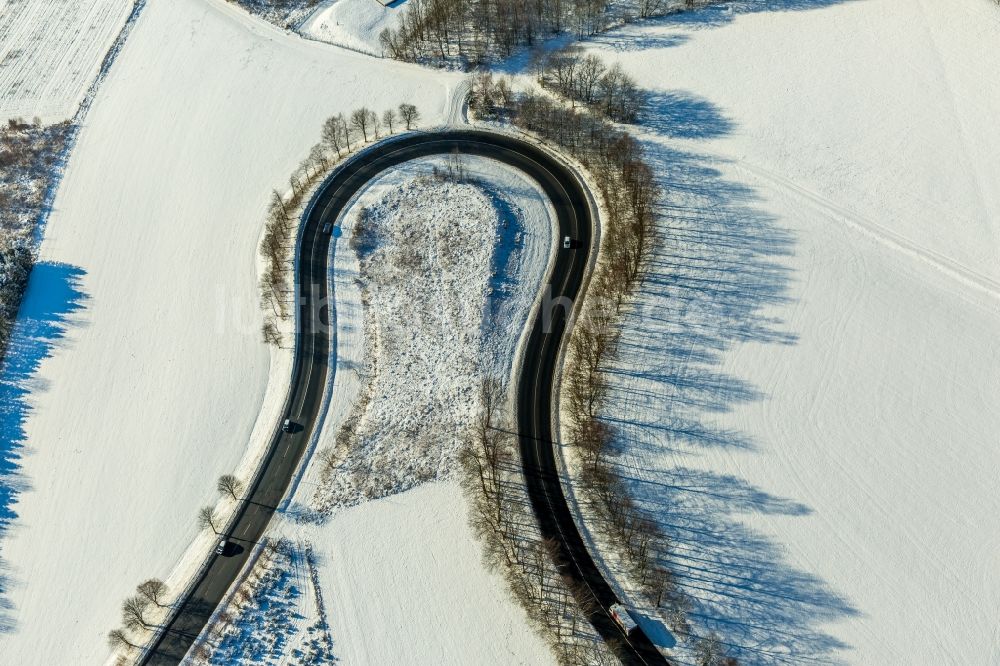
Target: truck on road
{"type": "Point", "coordinates": [623, 618]}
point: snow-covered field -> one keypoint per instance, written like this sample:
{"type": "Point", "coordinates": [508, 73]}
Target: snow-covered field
{"type": "Point", "coordinates": [354, 24]}
{"type": "Point", "coordinates": [808, 394]}
{"type": "Point", "coordinates": [51, 51]}
{"type": "Point", "coordinates": [404, 582]}
{"type": "Point", "coordinates": [448, 272]}
{"type": "Point", "coordinates": [140, 373]}
{"type": "Point", "coordinates": [396, 580]}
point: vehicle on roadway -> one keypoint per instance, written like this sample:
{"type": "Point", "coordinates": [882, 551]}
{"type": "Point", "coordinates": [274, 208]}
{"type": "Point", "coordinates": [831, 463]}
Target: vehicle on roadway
{"type": "Point", "coordinates": [221, 548]}
{"type": "Point", "coordinates": [567, 243]}
{"type": "Point", "coordinates": [623, 618]}
{"type": "Point", "coordinates": [286, 426]}
{"type": "Point", "coordinates": [327, 228]}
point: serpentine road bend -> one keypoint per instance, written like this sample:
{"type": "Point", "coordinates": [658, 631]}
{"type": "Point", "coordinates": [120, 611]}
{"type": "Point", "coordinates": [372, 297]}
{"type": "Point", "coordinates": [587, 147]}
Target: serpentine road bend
{"type": "Point", "coordinates": [310, 367]}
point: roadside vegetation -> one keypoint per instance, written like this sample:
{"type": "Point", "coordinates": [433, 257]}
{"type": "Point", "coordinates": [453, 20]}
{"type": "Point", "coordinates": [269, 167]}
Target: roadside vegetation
{"type": "Point", "coordinates": [588, 96]}
{"type": "Point", "coordinates": [31, 156]}
{"type": "Point", "coordinates": [341, 136]}
{"type": "Point", "coordinates": [502, 519]}
{"type": "Point", "coordinates": [141, 615]}
{"type": "Point", "coordinates": [259, 621]}
{"type": "Point", "coordinates": [148, 610]}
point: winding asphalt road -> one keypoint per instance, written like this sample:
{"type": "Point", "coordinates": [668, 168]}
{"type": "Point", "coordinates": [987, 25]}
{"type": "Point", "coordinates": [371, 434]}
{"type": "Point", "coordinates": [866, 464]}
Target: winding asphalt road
{"type": "Point", "coordinates": [311, 365]}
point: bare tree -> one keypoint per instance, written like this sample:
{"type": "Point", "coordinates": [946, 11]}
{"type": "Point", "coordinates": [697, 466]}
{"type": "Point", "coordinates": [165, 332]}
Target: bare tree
{"type": "Point", "coordinates": [243, 597]}
{"type": "Point", "coordinates": [389, 119]}
{"type": "Point", "coordinates": [202, 653]}
{"type": "Point", "coordinates": [318, 158]}
{"type": "Point", "coordinates": [271, 295]}
{"type": "Point", "coordinates": [228, 484]}
{"type": "Point", "coordinates": [134, 613]}
{"type": "Point", "coordinates": [591, 71]}
{"type": "Point", "coordinates": [361, 121]}
{"type": "Point", "coordinates": [280, 546]}
{"type": "Point", "coordinates": [604, 654]}
{"type": "Point", "coordinates": [648, 8]}
{"type": "Point", "coordinates": [278, 205]}
{"type": "Point", "coordinates": [117, 638]}
{"type": "Point", "coordinates": [269, 329]}
{"type": "Point", "coordinates": [409, 114]}
{"type": "Point", "coordinates": [390, 44]}
{"type": "Point", "coordinates": [345, 132]}
{"type": "Point", "coordinates": [153, 590]}
{"type": "Point", "coordinates": [328, 456]}
{"type": "Point", "coordinates": [708, 651]}
{"type": "Point", "coordinates": [207, 519]}
{"type": "Point", "coordinates": [376, 124]}
{"type": "Point", "coordinates": [332, 133]}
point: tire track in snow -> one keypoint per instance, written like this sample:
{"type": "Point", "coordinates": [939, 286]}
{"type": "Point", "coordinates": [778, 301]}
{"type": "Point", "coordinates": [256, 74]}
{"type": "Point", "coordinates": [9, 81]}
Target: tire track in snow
{"type": "Point", "coordinates": [879, 233]}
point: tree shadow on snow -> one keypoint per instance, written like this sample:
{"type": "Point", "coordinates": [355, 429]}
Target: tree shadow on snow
{"type": "Point", "coordinates": [677, 114]}
{"type": "Point", "coordinates": [50, 303]}
{"type": "Point", "coordinates": [720, 278]}
{"type": "Point", "coordinates": [765, 610]}
{"type": "Point", "coordinates": [641, 35]}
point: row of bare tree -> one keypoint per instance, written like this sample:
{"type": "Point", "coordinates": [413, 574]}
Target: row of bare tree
{"type": "Point", "coordinates": [473, 32]}
{"type": "Point", "coordinates": [340, 136]}
{"type": "Point", "coordinates": [139, 615]}
{"type": "Point", "coordinates": [624, 179]}
{"type": "Point", "coordinates": [138, 611]}
{"type": "Point", "coordinates": [339, 130]}
{"type": "Point", "coordinates": [629, 193]}
{"type": "Point", "coordinates": [227, 485]}
{"type": "Point", "coordinates": [502, 521]}
{"type": "Point", "coordinates": [586, 79]}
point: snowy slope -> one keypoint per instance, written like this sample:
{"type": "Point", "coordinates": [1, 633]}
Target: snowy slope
{"type": "Point", "coordinates": [354, 24]}
{"type": "Point", "coordinates": [51, 51]}
{"type": "Point", "coordinates": [807, 396]}
{"type": "Point", "coordinates": [142, 317]}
